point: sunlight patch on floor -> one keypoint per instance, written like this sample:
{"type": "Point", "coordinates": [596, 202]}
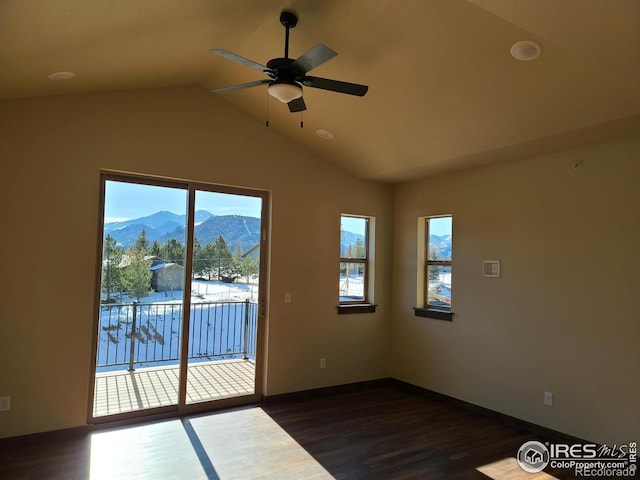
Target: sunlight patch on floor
{"type": "Point", "coordinates": [159, 450]}
{"type": "Point", "coordinates": [241, 444]}
{"type": "Point", "coordinates": [508, 469]}
{"type": "Point", "coordinates": [249, 444]}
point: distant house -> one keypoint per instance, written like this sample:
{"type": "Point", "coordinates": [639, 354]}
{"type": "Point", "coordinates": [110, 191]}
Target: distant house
{"type": "Point", "coordinates": [253, 252]}
{"type": "Point", "coordinates": [126, 260]}
{"type": "Point", "coordinates": [167, 277]}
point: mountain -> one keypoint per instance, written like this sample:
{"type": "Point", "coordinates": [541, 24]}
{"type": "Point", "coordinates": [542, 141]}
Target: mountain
{"type": "Point", "coordinates": [235, 229]}
{"type": "Point", "coordinates": [349, 239]}
{"type": "Point", "coordinates": [153, 221]}
{"type": "Point", "coordinates": [163, 226]}
{"type": "Point", "coordinates": [160, 223]}
{"type": "Point", "coordinates": [126, 235]}
{"type": "Point", "coordinates": [441, 244]}
{"type": "Point", "coordinates": [201, 216]}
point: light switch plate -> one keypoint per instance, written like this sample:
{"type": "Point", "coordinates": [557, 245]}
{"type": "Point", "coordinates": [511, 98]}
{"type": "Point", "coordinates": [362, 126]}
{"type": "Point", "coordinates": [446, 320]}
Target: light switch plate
{"type": "Point", "coordinates": [491, 268]}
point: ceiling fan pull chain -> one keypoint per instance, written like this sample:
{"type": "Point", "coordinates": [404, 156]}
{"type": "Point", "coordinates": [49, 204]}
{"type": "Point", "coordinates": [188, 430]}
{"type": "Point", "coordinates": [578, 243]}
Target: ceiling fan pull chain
{"type": "Point", "coordinates": [267, 122]}
{"type": "Point", "coordinates": [301, 119]}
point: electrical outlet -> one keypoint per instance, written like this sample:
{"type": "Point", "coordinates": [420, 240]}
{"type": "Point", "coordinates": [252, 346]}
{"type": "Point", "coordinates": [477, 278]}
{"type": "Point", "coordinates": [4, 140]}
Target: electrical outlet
{"type": "Point", "coordinates": [4, 404]}
{"type": "Point", "coordinates": [323, 363]}
{"type": "Point", "coordinates": [287, 297]}
{"type": "Point", "coordinates": [548, 399]}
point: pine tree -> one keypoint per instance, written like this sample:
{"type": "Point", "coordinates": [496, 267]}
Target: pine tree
{"type": "Point", "coordinates": [249, 267]}
{"type": "Point", "coordinates": [141, 242]}
{"type": "Point", "coordinates": [358, 250]}
{"type": "Point", "coordinates": [237, 260]}
{"type": "Point", "coordinates": [156, 250]}
{"type": "Point", "coordinates": [173, 251]}
{"type": "Point", "coordinates": [433, 270]}
{"type": "Point", "coordinates": [111, 271]}
{"type": "Point", "coordinates": [137, 275]}
{"type": "Point", "coordinates": [209, 259]}
{"type": "Point", "coordinates": [199, 265]}
{"type": "Point", "coordinates": [223, 260]}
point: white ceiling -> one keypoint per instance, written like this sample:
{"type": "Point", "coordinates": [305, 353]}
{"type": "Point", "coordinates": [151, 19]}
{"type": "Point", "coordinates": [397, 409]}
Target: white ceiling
{"type": "Point", "coordinates": [444, 92]}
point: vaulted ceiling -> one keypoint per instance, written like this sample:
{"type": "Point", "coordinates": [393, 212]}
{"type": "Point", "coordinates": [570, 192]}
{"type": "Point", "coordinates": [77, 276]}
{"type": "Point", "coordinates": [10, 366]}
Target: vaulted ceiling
{"type": "Point", "coordinates": [444, 91]}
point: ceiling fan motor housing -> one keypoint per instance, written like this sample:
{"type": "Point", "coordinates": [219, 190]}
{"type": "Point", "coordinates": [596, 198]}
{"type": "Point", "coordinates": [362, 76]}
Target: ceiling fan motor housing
{"type": "Point", "coordinates": [281, 71]}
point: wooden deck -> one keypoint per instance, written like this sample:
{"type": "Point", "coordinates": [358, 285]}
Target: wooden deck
{"type": "Point", "coordinates": [123, 391]}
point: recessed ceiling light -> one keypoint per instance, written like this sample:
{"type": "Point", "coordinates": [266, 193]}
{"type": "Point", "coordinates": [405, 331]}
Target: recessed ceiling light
{"type": "Point", "coordinates": [62, 76]}
{"type": "Point", "coordinates": [525, 50]}
{"type": "Point", "coordinates": [324, 134]}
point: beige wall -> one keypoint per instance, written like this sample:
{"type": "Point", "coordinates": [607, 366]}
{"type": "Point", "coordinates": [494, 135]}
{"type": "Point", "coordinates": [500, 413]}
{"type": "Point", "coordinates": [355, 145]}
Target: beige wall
{"type": "Point", "coordinates": [563, 317]}
{"type": "Point", "coordinates": [51, 151]}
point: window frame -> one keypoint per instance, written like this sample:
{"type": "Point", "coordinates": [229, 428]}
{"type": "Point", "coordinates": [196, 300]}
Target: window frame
{"type": "Point", "coordinates": [427, 310]}
{"type": "Point", "coordinates": [363, 305]}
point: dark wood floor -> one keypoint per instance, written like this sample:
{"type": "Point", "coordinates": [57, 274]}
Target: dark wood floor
{"type": "Point", "coordinates": [376, 431]}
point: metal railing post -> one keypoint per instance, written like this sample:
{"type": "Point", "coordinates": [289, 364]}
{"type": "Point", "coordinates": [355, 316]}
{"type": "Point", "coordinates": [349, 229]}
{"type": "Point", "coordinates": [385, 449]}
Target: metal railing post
{"type": "Point", "coordinates": [133, 337]}
{"type": "Point", "coordinates": [246, 330]}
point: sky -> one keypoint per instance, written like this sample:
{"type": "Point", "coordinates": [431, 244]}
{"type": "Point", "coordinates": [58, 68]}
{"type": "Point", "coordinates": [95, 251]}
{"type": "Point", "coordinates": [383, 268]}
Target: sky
{"type": "Point", "coordinates": [126, 201]}
{"type": "Point", "coordinates": [440, 226]}
{"type": "Point", "coordinates": [353, 224]}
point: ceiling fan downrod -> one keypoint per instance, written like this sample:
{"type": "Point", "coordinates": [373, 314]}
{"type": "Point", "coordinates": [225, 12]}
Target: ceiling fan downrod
{"type": "Point", "coordinates": [288, 20]}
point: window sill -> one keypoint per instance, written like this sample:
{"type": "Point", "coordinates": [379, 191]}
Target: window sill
{"type": "Point", "coordinates": [436, 313]}
{"type": "Point", "coordinates": [356, 308]}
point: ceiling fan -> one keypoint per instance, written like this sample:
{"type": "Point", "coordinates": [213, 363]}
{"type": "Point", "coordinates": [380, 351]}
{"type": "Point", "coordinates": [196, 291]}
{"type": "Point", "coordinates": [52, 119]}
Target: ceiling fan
{"type": "Point", "coordinates": [286, 75]}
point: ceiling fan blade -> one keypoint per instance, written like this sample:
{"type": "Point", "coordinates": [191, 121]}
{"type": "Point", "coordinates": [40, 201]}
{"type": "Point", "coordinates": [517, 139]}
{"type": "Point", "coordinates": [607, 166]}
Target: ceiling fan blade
{"type": "Point", "coordinates": [239, 59]}
{"type": "Point", "coordinates": [312, 58]}
{"type": "Point", "coordinates": [297, 105]}
{"type": "Point", "coordinates": [241, 86]}
{"type": "Point", "coordinates": [335, 86]}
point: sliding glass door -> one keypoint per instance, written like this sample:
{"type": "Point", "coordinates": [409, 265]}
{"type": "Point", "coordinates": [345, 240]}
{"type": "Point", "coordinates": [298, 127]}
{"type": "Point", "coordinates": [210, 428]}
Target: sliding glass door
{"type": "Point", "coordinates": [223, 316]}
{"type": "Point", "coordinates": [177, 321]}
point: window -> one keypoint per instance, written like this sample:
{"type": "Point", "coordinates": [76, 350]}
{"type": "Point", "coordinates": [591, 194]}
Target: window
{"type": "Point", "coordinates": [437, 268]}
{"type": "Point", "coordinates": [355, 265]}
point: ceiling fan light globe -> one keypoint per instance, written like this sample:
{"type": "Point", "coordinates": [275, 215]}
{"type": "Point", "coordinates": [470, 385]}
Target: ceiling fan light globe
{"type": "Point", "coordinates": [285, 92]}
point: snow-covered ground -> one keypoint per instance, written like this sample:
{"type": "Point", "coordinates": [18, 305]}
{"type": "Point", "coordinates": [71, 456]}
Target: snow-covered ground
{"type": "Point", "coordinates": [351, 287]}
{"type": "Point", "coordinates": [202, 291]}
{"type": "Point", "coordinates": [219, 291]}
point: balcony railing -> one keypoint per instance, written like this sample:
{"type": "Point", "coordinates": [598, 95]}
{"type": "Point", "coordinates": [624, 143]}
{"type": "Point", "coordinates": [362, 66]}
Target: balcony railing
{"type": "Point", "coordinates": [145, 334]}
